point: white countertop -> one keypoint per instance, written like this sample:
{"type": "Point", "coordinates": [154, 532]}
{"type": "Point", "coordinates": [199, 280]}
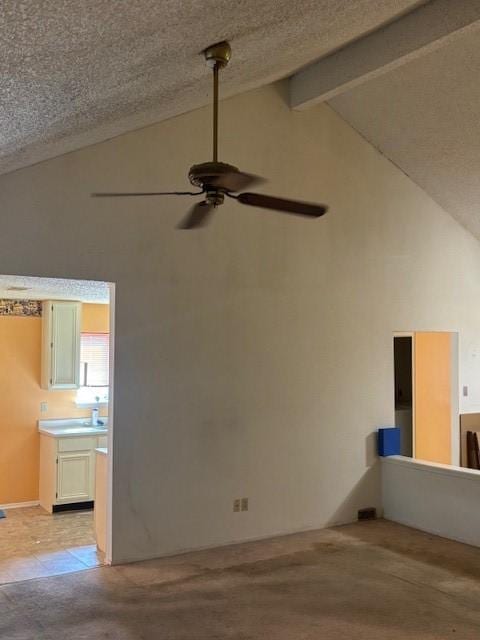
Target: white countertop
{"type": "Point", "coordinates": [72, 428]}
{"type": "Point", "coordinates": [101, 451]}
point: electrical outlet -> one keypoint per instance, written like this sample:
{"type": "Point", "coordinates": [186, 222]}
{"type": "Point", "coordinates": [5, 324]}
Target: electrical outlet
{"type": "Point", "coordinates": [237, 505]}
{"type": "Point", "coordinates": [43, 407]}
{"type": "Point", "coordinates": [244, 504]}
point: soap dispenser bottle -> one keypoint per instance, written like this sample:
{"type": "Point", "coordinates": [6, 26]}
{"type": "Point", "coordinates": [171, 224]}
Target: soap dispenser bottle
{"type": "Point", "coordinates": [95, 417]}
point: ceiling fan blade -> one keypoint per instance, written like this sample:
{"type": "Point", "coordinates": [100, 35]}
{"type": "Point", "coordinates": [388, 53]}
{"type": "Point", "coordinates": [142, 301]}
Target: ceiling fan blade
{"type": "Point", "coordinates": [281, 204]}
{"type": "Point", "coordinates": [197, 216]}
{"type": "Point", "coordinates": [146, 193]}
{"type": "Point", "coordinates": [235, 181]}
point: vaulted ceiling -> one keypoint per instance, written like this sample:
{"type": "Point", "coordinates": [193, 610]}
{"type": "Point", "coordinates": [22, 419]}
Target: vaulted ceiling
{"type": "Point", "coordinates": [404, 73]}
{"type": "Point", "coordinates": [75, 73]}
{"type": "Point", "coordinates": [412, 89]}
{"type": "Point", "coordinates": [425, 116]}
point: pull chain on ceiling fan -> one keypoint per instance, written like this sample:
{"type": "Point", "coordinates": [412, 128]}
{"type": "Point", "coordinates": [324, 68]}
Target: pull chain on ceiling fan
{"type": "Point", "coordinates": [218, 179]}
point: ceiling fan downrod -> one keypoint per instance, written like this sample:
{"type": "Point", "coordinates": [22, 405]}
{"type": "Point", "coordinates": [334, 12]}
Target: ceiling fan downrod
{"type": "Point", "coordinates": [217, 57]}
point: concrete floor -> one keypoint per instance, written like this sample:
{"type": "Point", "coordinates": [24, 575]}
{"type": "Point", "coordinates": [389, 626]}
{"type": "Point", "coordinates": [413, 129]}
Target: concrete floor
{"type": "Point", "coordinates": [366, 580]}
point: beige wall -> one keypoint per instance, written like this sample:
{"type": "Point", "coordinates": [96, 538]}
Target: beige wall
{"type": "Point", "coordinates": [253, 358]}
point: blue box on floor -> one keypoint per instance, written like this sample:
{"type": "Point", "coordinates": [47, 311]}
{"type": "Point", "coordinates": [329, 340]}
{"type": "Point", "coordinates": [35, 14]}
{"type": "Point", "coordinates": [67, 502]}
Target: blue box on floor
{"type": "Point", "coordinates": [389, 441]}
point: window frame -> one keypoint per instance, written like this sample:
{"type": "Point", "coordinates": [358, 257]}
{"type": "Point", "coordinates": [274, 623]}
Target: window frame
{"type": "Point", "coordinates": [93, 395]}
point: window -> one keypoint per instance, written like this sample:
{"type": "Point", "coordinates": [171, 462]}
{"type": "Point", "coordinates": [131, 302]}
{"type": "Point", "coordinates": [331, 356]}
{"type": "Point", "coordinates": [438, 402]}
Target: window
{"type": "Point", "coordinates": [94, 370]}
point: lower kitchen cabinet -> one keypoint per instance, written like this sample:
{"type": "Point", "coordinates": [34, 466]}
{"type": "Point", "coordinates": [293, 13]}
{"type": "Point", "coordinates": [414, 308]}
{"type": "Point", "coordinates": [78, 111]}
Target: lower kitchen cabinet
{"type": "Point", "coordinates": [75, 477]}
{"type": "Point", "coordinates": [67, 471]}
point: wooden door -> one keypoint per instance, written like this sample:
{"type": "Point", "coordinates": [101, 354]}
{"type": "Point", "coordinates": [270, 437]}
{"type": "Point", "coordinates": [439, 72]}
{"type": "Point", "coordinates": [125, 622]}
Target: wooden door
{"type": "Point", "coordinates": [433, 396]}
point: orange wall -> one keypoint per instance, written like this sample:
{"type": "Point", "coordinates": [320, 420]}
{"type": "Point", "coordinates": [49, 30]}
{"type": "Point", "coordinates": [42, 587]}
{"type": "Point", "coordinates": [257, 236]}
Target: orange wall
{"type": "Point", "coordinates": [20, 398]}
{"type": "Point", "coordinates": [96, 318]}
{"type": "Point", "coordinates": [433, 404]}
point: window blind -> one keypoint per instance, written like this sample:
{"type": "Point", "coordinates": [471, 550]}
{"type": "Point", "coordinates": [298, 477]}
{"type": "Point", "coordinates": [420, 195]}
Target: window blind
{"type": "Point", "coordinates": [94, 356]}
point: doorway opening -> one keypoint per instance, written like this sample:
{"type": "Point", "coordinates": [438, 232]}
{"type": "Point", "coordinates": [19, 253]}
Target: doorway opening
{"type": "Point", "coordinates": [403, 370]}
{"type": "Point", "coordinates": [426, 395]}
{"type": "Point", "coordinates": [56, 401]}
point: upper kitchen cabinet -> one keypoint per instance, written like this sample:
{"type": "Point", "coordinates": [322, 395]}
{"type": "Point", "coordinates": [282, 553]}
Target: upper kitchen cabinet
{"type": "Point", "coordinates": [61, 344]}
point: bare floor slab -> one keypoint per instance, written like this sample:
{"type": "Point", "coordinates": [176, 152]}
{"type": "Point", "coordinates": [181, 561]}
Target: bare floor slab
{"type": "Point", "coordinates": [365, 580]}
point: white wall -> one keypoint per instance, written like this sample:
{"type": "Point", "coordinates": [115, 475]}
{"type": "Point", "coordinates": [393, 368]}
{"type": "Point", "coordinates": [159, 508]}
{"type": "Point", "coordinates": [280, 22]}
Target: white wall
{"type": "Point", "coordinates": [253, 358]}
{"type": "Point", "coordinates": [432, 497]}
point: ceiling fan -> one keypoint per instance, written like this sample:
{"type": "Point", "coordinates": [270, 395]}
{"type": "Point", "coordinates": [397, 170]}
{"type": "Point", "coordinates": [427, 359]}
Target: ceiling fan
{"type": "Point", "coordinates": [217, 179]}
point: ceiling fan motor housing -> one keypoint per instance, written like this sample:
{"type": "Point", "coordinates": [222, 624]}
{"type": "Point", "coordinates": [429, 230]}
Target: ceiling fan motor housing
{"type": "Point", "coordinates": [205, 175]}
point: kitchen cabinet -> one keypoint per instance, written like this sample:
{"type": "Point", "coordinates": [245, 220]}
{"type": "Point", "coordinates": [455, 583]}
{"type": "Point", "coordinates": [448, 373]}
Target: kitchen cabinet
{"type": "Point", "coordinates": [61, 344]}
{"type": "Point", "coordinates": [67, 471]}
{"type": "Point", "coordinates": [74, 479]}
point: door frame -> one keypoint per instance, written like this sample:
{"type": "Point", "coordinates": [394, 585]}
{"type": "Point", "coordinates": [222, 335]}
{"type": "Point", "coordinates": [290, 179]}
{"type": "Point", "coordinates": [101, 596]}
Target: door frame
{"type": "Point", "coordinates": [455, 400]}
{"type": "Point", "coordinates": [111, 365]}
{"type": "Point", "coordinates": [110, 438]}
{"type": "Point", "coordinates": [454, 389]}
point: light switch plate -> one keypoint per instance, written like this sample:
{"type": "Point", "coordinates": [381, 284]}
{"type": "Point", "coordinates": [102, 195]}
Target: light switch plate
{"type": "Point", "coordinates": [236, 505]}
{"type": "Point", "coordinates": [43, 407]}
{"type": "Point", "coordinates": [244, 504]}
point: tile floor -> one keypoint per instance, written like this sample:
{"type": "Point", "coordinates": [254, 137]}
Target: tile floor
{"type": "Point", "coordinates": [36, 544]}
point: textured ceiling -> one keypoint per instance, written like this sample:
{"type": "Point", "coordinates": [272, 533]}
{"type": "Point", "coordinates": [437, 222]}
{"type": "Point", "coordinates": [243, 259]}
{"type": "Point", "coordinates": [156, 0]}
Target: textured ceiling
{"type": "Point", "coordinates": [75, 73]}
{"type": "Point", "coordinates": [29, 288]}
{"type": "Point", "coordinates": [424, 116]}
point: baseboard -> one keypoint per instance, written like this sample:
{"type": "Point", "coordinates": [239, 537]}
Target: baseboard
{"type": "Point", "coordinates": [235, 541]}
{"type": "Point", "coordinates": [19, 505]}
{"type": "Point", "coordinates": [432, 531]}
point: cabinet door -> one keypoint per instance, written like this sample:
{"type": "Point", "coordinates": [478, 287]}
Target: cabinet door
{"type": "Point", "coordinates": [75, 478]}
{"type": "Point", "coordinates": [65, 345]}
